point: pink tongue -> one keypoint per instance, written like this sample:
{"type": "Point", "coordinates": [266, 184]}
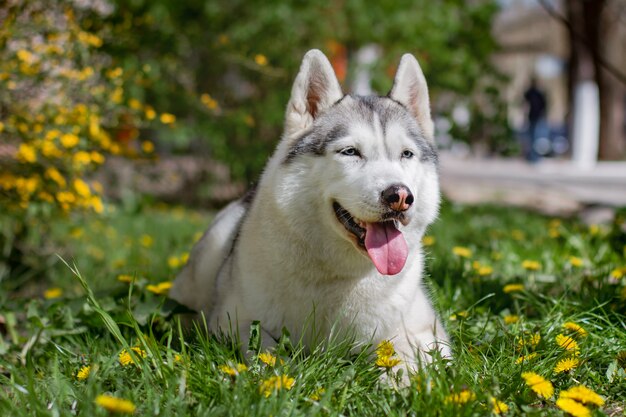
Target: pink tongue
{"type": "Point", "coordinates": [386, 247]}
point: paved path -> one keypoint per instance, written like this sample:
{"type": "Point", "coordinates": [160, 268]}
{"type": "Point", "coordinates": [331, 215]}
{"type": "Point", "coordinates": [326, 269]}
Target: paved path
{"type": "Point", "coordinates": [551, 186]}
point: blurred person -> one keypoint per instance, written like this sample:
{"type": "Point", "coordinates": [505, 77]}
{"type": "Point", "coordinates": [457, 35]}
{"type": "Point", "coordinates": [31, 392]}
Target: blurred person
{"type": "Point", "coordinates": [536, 101]}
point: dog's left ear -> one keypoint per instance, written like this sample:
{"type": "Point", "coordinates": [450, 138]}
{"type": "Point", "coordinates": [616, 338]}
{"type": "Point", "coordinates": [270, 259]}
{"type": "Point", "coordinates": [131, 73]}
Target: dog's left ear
{"type": "Point", "coordinates": [410, 89]}
{"type": "Point", "coordinates": [315, 89]}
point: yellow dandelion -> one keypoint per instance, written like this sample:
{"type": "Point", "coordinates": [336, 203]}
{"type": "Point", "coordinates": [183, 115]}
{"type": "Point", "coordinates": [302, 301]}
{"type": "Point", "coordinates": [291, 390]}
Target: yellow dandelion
{"type": "Point", "coordinates": [55, 176]}
{"type": "Point", "coordinates": [428, 240]}
{"type": "Point", "coordinates": [583, 394]}
{"type": "Point", "coordinates": [173, 262]}
{"type": "Point", "coordinates": [575, 261]}
{"type": "Point", "coordinates": [161, 288]}
{"type": "Point", "coordinates": [82, 189]}
{"type": "Point", "coordinates": [567, 343]}
{"type": "Point", "coordinates": [576, 328]}
{"type": "Point", "coordinates": [566, 365]}
{"type": "Point", "coordinates": [134, 104]}
{"type": "Point", "coordinates": [26, 153]}
{"type": "Point", "coordinates": [52, 293]}
{"type": "Point", "coordinates": [387, 361]}
{"type": "Point", "coordinates": [267, 358]}
{"type": "Point", "coordinates": [531, 265]}
{"type": "Point", "coordinates": [167, 118]}
{"type": "Point", "coordinates": [276, 383]}
{"type": "Point", "coordinates": [511, 319]}
{"type": "Point", "coordinates": [146, 241]}
{"type": "Point", "coordinates": [147, 146]}
{"type": "Point", "coordinates": [83, 373]}
{"type": "Point", "coordinates": [184, 257]}
{"type": "Point", "coordinates": [69, 140]}
{"type": "Point", "coordinates": [499, 407]}
{"type": "Point", "coordinates": [126, 359]}
{"type": "Point", "coordinates": [573, 408]}
{"type": "Point", "coordinates": [462, 397]}
{"type": "Point", "coordinates": [462, 251]}
{"type": "Point", "coordinates": [513, 288]}
{"type": "Point", "coordinates": [125, 278]}
{"type": "Point", "coordinates": [317, 395]}
{"type": "Point", "coordinates": [115, 405]}
{"type": "Point", "coordinates": [385, 348]}
{"type": "Point", "coordinates": [526, 358]}
{"type": "Point", "coordinates": [233, 371]}
{"type": "Point", "coordinates": [260, 60]}
{"type": "Point", "coordinates": [485, 270]}
{"type": "Point", "coordinates": [150, 113]}
{"type": "Point", "coordinates": [541, 386]}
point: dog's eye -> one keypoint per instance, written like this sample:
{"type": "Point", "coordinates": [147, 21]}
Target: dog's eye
{"type": "Point", "coordinates": [350, 151]}
{"type": "Point", "coordinates": [407, 154]}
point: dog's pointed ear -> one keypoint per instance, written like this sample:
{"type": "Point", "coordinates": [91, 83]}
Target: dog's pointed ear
{"type": "Point", "coordinates": [410, 89]}
{"type": "Point", "coordinates": [315, 89]}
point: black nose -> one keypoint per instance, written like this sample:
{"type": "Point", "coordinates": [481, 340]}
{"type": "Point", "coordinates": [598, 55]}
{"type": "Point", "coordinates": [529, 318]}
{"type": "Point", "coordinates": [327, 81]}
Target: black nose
{"type": "Point", "coordinates": [398, 197]}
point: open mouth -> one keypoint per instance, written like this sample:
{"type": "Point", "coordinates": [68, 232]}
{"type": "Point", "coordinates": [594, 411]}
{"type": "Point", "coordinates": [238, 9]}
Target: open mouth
{"type": "Point", "coordinates": [382, 241]}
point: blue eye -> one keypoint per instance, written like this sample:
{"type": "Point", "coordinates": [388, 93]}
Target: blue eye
{"type": "Point", "coordinates": [407, 154]}
{"type": "Point", "coordinates": [351, 151]}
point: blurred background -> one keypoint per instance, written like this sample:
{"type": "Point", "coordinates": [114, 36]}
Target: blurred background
{"type": "Point", "coordinates": [127, 103]}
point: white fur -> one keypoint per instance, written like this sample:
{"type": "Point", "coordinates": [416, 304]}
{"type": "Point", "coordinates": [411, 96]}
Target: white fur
{"type": "Point", "coordinates": [293, 263]}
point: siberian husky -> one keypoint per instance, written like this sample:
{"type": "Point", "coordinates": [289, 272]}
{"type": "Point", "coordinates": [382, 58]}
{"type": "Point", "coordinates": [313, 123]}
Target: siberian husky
{"type": "Point", "coordinates": [333, 231]}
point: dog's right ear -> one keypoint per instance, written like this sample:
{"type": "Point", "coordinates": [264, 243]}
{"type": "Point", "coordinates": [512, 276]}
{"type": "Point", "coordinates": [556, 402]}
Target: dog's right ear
{"type": "Point", "coordinates": [315, 89]}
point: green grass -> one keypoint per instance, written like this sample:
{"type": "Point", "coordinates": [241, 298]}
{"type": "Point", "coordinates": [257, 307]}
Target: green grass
{"type": "Point", "coordinates": [45, 342]}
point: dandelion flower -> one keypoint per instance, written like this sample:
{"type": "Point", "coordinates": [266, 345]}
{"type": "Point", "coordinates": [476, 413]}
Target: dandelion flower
{"type": "Point", "coordinates": [568, 343]}
{"type": "Point", "coordinates": [317, 395]}
{"type": "Point", "coordinates": [582, 394]}
{"type": "Point", "coordinates": [574, 327]}
{"type": "Point", "coordinates": [387, 361]}
{"type": "Point", "coordinates": [485, 270]}
{"type": "Point", "coordinates": [83, 373]}
{"type": "Point", "coordinates": [115, 405]}
{"type": "Point", "coordinates": [125, 278]}
{"type": "Point", "coordinates": [572, 407]}
{"type": "Point", "coordinates": [267, 358]}
{"type": "Point", "coordinates": [276, 383]}
{"type": "Point", "coordinates": [173, 262]}
{"type": "Point", "coordinates": [541, 386]}
{"type": "Point", "coordinates": [513, 288]}
{"type": "Point", "coordinates": [162, 288]}
{"type": "Point", "coordinates": [511, 319]}
{"type": "Point", "coordinates": [260, 59]}
{"type": "Point", "coordinates": [52, 293]}
{"type": "Point", "coordinates": [462, 251]}
{"type": "Point", "coordinates": [499, 407]}
{"type": "Point", "coordinates": [125, 358]}
{"type": "Point", "coordinates": [462, 397]}
{"type": "Point", "coordinates": [233, 371]}
{"type": "Point", "coordinates": [526, 358]}
{"type": "Point", "coordinates": [146, 241]}
{"type": "Point", "coordinates": [385, 348]}
{"type": "Point", "coordinates": [167, 118]}
{"type": "Point", "coordinates": [428, 240]}
{"type": "Point", "coordinates": [531, 265]}
{"type": "Point", "coordinates": [575, 261]}
{"type": "Point", "coordinates": [566, 365]}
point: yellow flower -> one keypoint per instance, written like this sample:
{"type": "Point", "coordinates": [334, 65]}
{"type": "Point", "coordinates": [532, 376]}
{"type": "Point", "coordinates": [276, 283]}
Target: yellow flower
{"type": "Point", "coordinates": [125, 358]}
{"type": "Point", "coordinates": [27, 153]}
{"type": "Point", "coordinates": [56, 176]}
{"type": "Point", "coordinates": [69, 140]}
{"type": "Point", "coordinates": [276, 383]}
{"type": "Point", "coordinates": [184, 257]}
{"type": "Point", "coordinates": [531, 265]}
{"type": "Point", "coordinates": [267, 358]}
{"type": "Point", "coordinates": [462, 251]}
{"type": "Point", "coordinates": [618, 273]}
{"type": "Point", "coordinates": [146, 241]}
{"type": "Point", "coordinates": [574, 327]}
{"type": "Point", "coordinates": [461, 398]}
{"type": "Point", "coordinates": [317, 395]}
{"type": "Point", "coordinates": [568, 343]}
{"type": "Point", "coordinates": [52, 293]}
{"type": "Point", "coordinates": [115, 405]}
{"type": "Point", "coordinates": [499, 407]}
{"type": "Point", "coordinates": [385, 348]}
{"type": "Point", "coordinates": [83, 373]}
{"type": "Point", "coordinates": [513, 288]}
{"type": "Point", "coordinates": [233, 371]}
{"type": "Point", "coordinates": [147, 146]}
{"type": "Point", "coordinates": [134, 104]}
{"type": "Point", "coordinates": [150, 113]}
{"type": "Point", "coordinates": [583, 394]}
{"type": "Point", "coordinates": [517, 234]}
{"type": "Point", "coordinates": [125, 278]}
{"type": "Point", "coordinates": [82, 189]}
{"type": "Point", "coordinates": [387, 361]}
{"type": "Point", "coordinates": [573, 408]}
{"type": "Point", "coordinates": [173, 262]}
{"type": "Point", "coordinates": [167, 118]}
{"type": "Point", "coordinates": [161, 288]}
{"type": "Point", "coordinates": [511, 319]}
{"type": "Point", "coordinates": [428, 240]}
{"type": "Point", "coordinates": [260, 59]}
{"type": "Point", "coordinates": [539, 384]}
{"type": "Point", "coordinates": [526, 358]}
{"type": "Point", "coordinates": [485, 270]}
{"type": "Point", "coordinates": [575, 261]}
{"type": "Point", "coordinates": [566, 365]}
{"type": "Point", "coordinates": [208, 101]}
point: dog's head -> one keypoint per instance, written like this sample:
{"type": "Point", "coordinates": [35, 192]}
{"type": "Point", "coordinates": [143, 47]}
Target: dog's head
{"type": "Point", "coordinates": [360, 169]}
